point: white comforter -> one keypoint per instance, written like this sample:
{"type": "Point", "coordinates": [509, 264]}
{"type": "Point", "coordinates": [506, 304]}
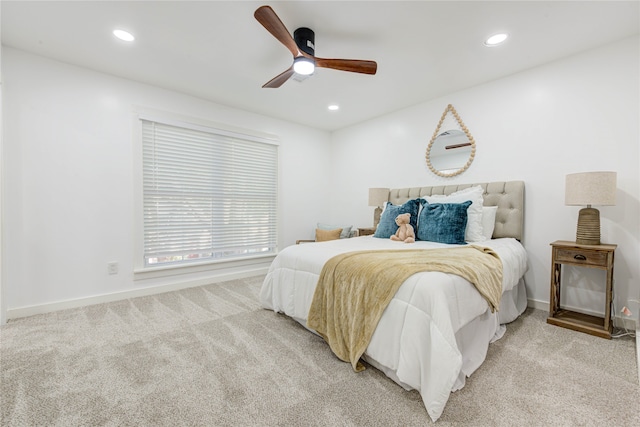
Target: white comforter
{"type": "Point", "coordinates": [415, 338]}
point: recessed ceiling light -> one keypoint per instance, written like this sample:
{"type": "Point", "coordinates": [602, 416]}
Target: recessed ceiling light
{"type": "Point", "coordinates": [333, 107]}
{"type": "Point", "coordinates": [496, 39]}
{"type": "Point", "coordinates": [124, 35]}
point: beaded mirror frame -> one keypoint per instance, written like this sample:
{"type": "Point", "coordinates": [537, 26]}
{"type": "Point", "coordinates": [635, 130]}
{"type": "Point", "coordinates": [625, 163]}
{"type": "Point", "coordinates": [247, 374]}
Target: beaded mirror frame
{"type": "Point", "coordinates": [436, 133]}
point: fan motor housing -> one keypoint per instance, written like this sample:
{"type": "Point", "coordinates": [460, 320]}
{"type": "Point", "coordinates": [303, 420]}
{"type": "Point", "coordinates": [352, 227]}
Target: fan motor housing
{"type": "Point", "coordinates": [305, 38]}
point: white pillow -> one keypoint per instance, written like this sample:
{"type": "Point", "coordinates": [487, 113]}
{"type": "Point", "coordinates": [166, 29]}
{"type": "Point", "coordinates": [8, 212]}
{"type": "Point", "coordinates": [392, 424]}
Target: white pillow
{"type": "Point", "coordinates": [488, 221]}
{"type": "Point", "coordinates": [474, 232]}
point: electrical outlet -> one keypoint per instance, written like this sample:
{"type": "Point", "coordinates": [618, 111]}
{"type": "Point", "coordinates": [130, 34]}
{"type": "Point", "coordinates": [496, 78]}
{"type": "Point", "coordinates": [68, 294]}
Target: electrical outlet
{"type": "Point", "coordinates": [112, 268]}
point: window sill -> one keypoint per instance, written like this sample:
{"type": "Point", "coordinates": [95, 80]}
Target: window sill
{"type": "Point", "coordinates": [200, 267]}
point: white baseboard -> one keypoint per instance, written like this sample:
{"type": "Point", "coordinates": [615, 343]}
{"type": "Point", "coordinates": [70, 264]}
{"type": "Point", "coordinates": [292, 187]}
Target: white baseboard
{"type": "Point", "coordinates": [538, 305]}
{"type": "Point", "coordinates": [638, 349]}
{"type": "Point", "coordinates": [15, 313]}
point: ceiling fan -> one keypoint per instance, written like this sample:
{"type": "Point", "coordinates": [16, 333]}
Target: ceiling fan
{"type": "Point", "coordinates": [302, 46]}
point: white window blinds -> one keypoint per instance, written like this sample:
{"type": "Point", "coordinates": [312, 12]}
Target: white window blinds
{"type": "Point", "coordinates": [206, 194]}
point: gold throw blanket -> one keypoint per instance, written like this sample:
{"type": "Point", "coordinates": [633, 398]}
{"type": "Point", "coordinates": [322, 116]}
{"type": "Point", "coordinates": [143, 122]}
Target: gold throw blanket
{"type": "Point", "coordinates": [354, 289]}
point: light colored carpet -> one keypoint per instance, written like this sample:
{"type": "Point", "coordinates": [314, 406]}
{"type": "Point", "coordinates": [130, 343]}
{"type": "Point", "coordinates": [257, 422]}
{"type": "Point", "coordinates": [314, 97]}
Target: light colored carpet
{"type": "Point", "coordinates": [210, 356]}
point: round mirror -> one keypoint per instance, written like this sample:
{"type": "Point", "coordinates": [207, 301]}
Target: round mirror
{"type": "Point", "coordinates": [450, 152]}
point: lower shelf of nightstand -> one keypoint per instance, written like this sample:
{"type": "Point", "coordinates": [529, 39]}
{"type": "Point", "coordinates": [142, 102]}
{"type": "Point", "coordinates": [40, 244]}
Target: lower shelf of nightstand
{"type": "Point", "coordinates": [581, 322]}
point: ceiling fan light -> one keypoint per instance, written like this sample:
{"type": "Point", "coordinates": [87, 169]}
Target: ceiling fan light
{"type": "Point", "coordinates": [304, 66]}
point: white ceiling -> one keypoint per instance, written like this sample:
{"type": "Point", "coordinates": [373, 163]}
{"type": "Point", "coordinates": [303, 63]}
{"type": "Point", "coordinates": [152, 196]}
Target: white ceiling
{"type": "Point", "coordinates": [216, 50]}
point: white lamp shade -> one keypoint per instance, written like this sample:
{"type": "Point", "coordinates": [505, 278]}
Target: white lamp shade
{"type": "Point", "coordinates": [377, 196]}
{"type": "Point", "coordinates": [590, 188]}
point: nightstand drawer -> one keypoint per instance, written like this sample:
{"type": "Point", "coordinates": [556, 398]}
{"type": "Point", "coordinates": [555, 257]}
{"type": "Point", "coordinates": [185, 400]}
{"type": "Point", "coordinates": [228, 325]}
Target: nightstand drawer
{"type": "Point", "coordinates": [581, 256]}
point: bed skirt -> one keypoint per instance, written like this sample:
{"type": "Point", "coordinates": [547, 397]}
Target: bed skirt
{"type": "Point", "coordinates": [473, 339]}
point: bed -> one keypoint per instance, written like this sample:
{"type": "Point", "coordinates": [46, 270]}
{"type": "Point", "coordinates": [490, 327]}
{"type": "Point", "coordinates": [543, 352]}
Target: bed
{"type": "Point", "coordinates": [435, 331]}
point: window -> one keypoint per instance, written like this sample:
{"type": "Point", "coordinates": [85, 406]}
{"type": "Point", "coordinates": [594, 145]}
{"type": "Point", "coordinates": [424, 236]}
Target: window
{"type": "Point", "coordinates": [208, 194]}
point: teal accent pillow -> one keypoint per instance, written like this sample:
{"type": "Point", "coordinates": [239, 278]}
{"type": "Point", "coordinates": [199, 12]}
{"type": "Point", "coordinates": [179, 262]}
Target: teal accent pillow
{"type": "Point", "coordinates": [443, 222]}
{"type": "Point", "coordinates": [387, 226]}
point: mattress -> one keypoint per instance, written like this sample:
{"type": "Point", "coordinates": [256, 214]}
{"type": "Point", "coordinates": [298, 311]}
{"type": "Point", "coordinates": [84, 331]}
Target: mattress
{"type": "Point", "coordinates": [435, 330]}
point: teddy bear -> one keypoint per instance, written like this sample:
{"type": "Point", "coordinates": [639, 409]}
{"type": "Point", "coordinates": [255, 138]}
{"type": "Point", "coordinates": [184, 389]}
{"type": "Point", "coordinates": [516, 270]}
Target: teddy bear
{"type": "Point", "coordinates": [405, 231]}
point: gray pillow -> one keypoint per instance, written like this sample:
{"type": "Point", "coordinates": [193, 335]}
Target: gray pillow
{"type": "Point", "coordinates": [443, 222]}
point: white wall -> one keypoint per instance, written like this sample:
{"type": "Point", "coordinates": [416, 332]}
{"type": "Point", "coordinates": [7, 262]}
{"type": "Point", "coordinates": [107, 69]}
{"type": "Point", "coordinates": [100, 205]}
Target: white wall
{"type": "Point", "coordinates": [3, 310]}
{"type": "Point", "coordinates": [68, 168]}
{"type": "Point", "coordinates": [68, 207]}
{"type": "Point", "coordinates": [577, 114]}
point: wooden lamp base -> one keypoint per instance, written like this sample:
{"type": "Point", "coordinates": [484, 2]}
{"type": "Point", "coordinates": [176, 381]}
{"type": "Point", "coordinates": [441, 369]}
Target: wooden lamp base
{"type": "Point", "coordinates": [376, 216]}
{"type": "Point", "coordinates": [588, 227]}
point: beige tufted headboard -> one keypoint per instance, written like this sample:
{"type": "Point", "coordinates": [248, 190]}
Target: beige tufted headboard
{"type": "Point", "coordinates": [508, 196]}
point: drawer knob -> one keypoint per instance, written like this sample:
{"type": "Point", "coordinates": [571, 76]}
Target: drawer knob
{"type": "Point", "coordinates": [580, 257]}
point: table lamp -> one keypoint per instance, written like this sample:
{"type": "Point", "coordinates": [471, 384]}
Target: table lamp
{"type": "Point", "coordinates": [590, 188]}
{"type": "Point", "coordinates": [377, 197]}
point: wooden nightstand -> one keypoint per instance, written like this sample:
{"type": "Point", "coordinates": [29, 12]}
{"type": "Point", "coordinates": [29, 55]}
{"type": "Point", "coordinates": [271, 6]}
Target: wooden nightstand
{"type": "Point", "coordinates": [304, 241]}
{"type": "Point", "coordinates": [366, 231]}
{"type": "Point", "coordinates": [591, 256]}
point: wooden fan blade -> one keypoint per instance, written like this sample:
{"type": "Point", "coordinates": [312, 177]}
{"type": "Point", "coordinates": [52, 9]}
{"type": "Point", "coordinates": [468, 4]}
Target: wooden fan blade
{"type": "Point", "coordinates": [269, 20]}
{"type": "Point", "coordinates": [353, 65]}
{"type": "Point", "coordinates": [279, 80]}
